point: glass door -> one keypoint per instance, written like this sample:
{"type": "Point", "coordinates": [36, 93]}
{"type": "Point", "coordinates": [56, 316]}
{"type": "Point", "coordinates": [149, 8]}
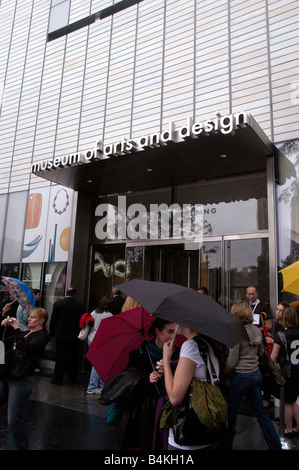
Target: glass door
{"type": "Point", "coordinates": [229, 264]}
{"type": "Point", "coordinates": [226, 265]}
{"type": "Point", "coordinates": [172, 263]}
{"type": "Point", "coordinates": [246, 263]}
{"type": "Point", "coordinates": [210, 269]}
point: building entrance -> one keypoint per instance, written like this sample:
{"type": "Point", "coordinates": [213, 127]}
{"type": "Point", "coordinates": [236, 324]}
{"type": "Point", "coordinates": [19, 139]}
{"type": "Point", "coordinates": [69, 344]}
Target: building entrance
{"type": "Point", "coordinates": [225, 265]}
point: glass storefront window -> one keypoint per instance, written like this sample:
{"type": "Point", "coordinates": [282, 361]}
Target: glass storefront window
{"type": "Point", "coordinates": [14, 229]}
{"type": "Point", "coordinates": [54, 284]}
{"type": "Point", "coordinates": [10, 270]}
{"type": "Point", "coordinates": [54, 288]}
{"type": "Point", "coordinates": [197, 210]}
{"type": "Point", "coordinates": [247, 264]}
{"type": "Point", "coordinates": [288, 216]}
{"type": "Point", "coordinates": [228, 251]}
{"type": "Point", "coordinates": [127, 216]}
{"type": "Point", "coordinates": [134, 262]}
{"type": "Point", "coordinates": [32, 275]}
{"type": "Point", "coordinates": [225, 202]}
{"type": "Point", "coordinates": [211, 269]}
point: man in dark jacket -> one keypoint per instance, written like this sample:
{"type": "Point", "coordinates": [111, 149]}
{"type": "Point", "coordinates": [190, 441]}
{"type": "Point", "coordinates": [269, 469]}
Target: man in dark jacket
{"type": "Point", "coordinates": [117, 301]}
{"type": "Point", "coordinates": [64, 326]}
{"type": "Point", "coordinates": [258, 306]}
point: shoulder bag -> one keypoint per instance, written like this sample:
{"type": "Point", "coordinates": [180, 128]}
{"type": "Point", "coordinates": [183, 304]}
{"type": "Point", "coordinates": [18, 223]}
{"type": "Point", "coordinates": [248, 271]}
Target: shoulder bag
{"type": "Point", "coordinates": [16, 365]}
{"type": "Point", "coordinates": [271, 369]}
{"type": "Point", "coordinates": [287, 363]}
{"type": "Point", "coordinates": [86, 323]}
{"type": "Point", "coordinates": [84, 332]}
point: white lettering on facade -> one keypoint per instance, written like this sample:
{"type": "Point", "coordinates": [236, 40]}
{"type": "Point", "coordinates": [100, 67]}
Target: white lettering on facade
{"type": "Point", "coordinates": [220, 124]}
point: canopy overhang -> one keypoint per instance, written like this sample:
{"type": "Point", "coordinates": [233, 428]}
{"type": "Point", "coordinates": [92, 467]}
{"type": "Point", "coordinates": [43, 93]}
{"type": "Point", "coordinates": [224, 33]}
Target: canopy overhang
{"type": "Point", "coordinates": [210, 155]}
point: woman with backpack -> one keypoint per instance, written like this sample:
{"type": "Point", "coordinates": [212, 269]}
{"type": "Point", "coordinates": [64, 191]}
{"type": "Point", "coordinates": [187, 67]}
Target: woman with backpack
{"type": "Point", "coordinates": [286, 343]}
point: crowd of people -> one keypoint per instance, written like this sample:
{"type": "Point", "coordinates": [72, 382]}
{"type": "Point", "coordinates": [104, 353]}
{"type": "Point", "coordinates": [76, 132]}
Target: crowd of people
{"type": "Point", "coordinates": [158, 371]}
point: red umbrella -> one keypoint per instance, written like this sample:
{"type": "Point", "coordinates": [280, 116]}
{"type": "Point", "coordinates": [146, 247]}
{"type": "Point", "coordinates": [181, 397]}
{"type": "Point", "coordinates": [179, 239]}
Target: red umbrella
{"type": "Point", "coordinates": [266, 332]}
{"type": "Point", "coordinates": [116, 337]}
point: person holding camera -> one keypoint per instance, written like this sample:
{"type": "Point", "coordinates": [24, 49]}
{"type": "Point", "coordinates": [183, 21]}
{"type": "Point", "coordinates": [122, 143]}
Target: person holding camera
{"type": "Point", "coordinates": [16, 388]}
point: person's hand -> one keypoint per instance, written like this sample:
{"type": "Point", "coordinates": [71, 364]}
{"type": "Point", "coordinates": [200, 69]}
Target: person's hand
{"type": "Point", "coordinates": [159, 367]}
{"type": "Point", "coordinates": [269, 340]}
{"type": "Point", "coordinates": [10, 321]}
{"type": "Point", "coordinates": [154, 377]}
{"type": "Point", "coordinates": [15, 323]}
{"type": "Point", "coordinates": [6, 309]}
{"type": "Point", "coordinates": [168, 349]}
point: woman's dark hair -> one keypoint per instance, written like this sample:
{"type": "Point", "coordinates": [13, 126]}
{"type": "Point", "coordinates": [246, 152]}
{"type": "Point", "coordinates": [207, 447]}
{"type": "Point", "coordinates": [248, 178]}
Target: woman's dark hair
{"type": "Point", "coordinates": [284, 304]}
{"type": "Point", "coordinates": [158, 323]}
{"type": "Point", "coordinates": [104, 305]}
{"type": "Point", "coordinates": [35, 291]}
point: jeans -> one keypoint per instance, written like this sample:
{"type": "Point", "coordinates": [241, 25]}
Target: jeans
{"type": "Point", "coordinates": [249, 385]}
{"type": "Point", "coordinates": [95, 380]}
{"type": "Point", "coordinates": [17, 393]}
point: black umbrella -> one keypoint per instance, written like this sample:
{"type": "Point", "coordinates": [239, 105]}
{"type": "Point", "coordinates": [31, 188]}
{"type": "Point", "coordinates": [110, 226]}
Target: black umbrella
{"type": "Point", "coordinates": [188, 308]}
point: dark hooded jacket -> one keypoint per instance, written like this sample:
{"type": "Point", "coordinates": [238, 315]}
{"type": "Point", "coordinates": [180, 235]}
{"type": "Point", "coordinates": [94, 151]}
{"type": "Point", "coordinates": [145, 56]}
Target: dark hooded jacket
{"type": "Point", "coordinates": [137, 398]}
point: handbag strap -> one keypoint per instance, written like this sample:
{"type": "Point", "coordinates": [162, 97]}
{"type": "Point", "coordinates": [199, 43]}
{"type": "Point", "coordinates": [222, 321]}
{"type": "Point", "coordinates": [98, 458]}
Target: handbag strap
{"type": "Point", "coordinates": [150, 359]}
{"type": "Point", "coordinates": [283, 339]}
{"type": "Point", "coordinates": [204, 352]}
{"type": "Point", "coordinates": [284, 342]}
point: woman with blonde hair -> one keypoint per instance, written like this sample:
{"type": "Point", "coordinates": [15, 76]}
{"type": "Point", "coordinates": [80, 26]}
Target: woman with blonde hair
{"type": "Point", "coordinates": [17, 390]}
{"type": "Point", "coordinates": [288, 343]}
{"type": "Point", "coordinates": [129, 304]}
{"type": "Point", "coordinates": [246, 378]}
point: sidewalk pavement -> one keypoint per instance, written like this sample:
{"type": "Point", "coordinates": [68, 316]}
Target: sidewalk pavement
{"type": "Point", "coordinates": [64, 417]}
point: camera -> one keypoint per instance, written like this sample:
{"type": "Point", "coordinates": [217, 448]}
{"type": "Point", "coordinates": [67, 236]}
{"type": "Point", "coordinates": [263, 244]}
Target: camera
{"type": "Point", "coordinates": [9, 321]}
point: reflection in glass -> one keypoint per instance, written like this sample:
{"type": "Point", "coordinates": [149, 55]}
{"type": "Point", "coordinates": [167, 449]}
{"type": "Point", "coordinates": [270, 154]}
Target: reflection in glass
{"type": "Point", "coordinates": [108, 270]}
{"type": "Point", "coordinates": [14, 230]}
{"type": "Point", "coordinates": [288, 217]}
{"type": "Point", "coordinates": [32, 275]}
{"type": "Point", "coordinates": [211, 269]}
{"type": "Point", "coordinates": [226, 201]}
{"type": "Point", "coordinates": [247, 265]}
{"type": "Point", "coordinates": [54, 288]}
{"type": "Point", "coordinates": [10, 270]}
{"type": "Point", "coordinates": [134, 261]}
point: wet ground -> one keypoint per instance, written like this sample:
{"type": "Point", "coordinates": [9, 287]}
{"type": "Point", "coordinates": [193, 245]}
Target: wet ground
{"type": "Point", "coordinates": [66, 418]}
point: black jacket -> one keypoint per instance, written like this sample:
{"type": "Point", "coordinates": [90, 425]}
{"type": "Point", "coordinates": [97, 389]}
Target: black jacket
{"type": "Point", "coordinates": [31, 344]}
{"type": "Point", "coordinates": [116, 304]}
{"type": "Point", "coordinates": [65, 318]}
{"type": "Point", "coordinates": [138, 397]}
